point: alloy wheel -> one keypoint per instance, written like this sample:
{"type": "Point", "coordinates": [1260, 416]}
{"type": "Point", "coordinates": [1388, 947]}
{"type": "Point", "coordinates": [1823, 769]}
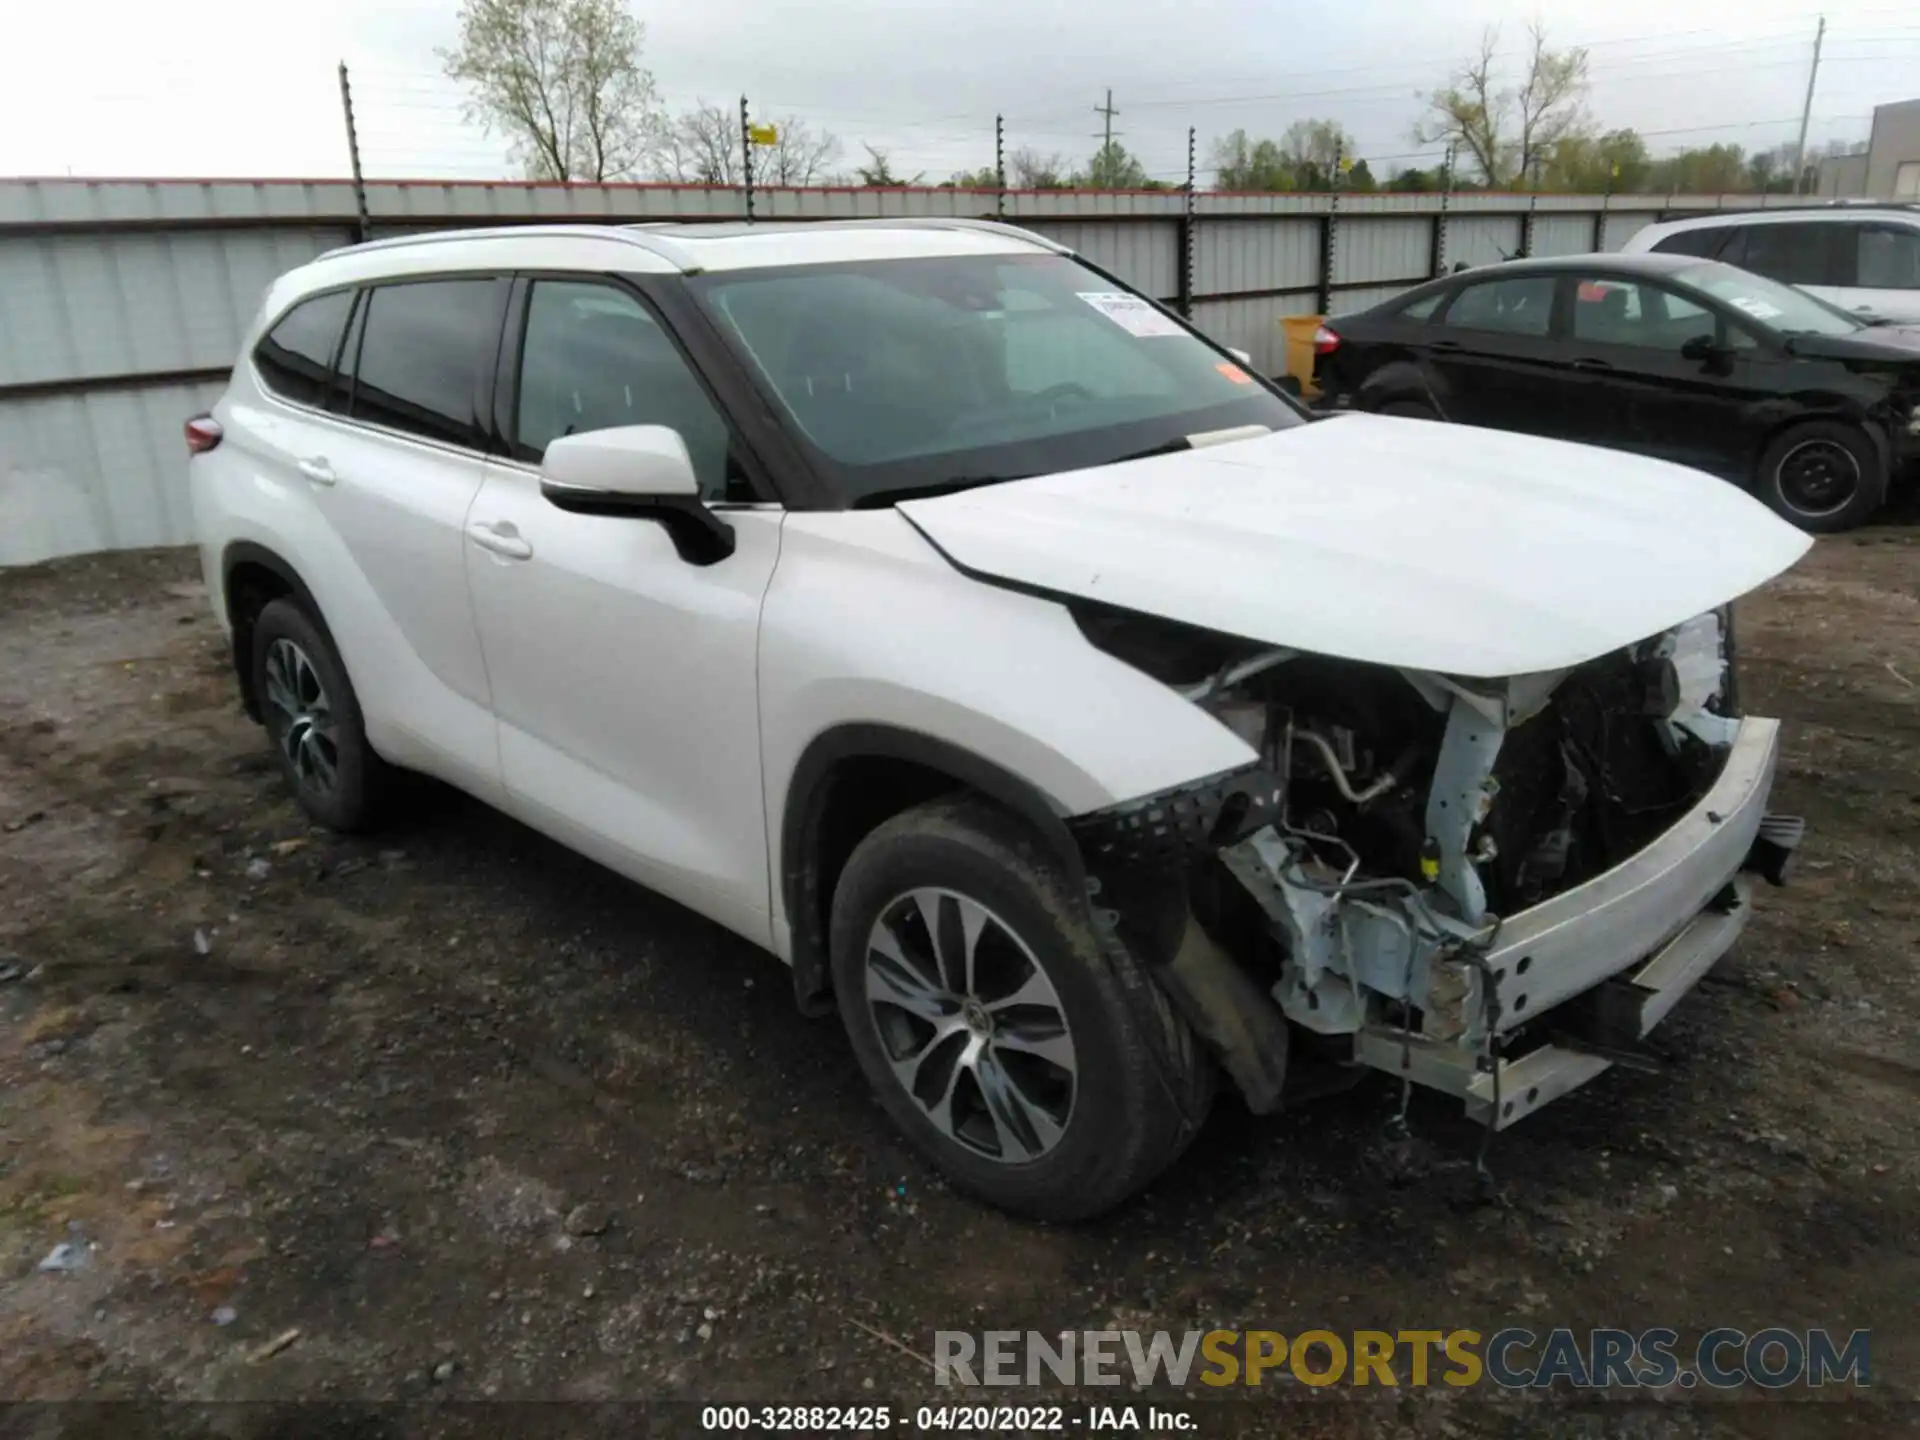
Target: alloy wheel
{"type": "Point", "coordinates": [301, 717]}
{"type": "Point", "coordinates": [971, 1025]}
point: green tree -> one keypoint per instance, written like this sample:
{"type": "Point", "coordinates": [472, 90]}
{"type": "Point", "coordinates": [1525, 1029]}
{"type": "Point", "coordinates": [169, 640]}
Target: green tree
{"type": "Point", "coordinates": [1507, 131]}
{"type": "Point", "coordinates": [562, 80]}
{"type": "Point", "coordinates": [878, 173]}
{"type": "Point", "coordinates": [985, 178]}
{"type": "Point", "coordinates": [1239, 162]}
{"type": "Point", "coordinates": [1702, 170]}
{"type": "Point", "coordinates": [1028, 169]}
{"type": "Point", "coordinates": [1113, 168]}
{"type": "Point", "coordinates": [1415, 182]}
{"type": "Point", "coordinates": [1593, 165]}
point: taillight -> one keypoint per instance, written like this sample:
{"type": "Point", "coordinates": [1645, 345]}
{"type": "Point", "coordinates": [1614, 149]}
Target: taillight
{"type": "Point", "coordinates": [203, 433]}
{"type": "Point", "coordinates": [1325, 342]}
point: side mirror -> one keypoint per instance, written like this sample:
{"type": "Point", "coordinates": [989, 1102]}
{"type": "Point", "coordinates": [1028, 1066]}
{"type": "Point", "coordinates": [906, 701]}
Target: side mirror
{"type": "Point", "coordinates": [1705, 350]}
{"type": "Point", "coordinates": [639, 471]}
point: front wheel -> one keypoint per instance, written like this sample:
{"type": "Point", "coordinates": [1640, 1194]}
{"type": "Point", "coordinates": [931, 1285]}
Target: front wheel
{"type": "Point", "coordinates": [1036, 1070]}
{"type": "Point", "coordinates": [1824, 476]}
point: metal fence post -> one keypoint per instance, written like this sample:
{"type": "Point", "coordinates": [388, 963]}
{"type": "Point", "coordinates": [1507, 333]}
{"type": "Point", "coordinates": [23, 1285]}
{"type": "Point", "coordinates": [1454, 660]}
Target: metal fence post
{"type": "Point", "coordinates": [1437, 261]}
{"type": "Point", "coordinates": [365, 228]}
{"type": "Point", "coordinates": [1329, 237]}
{"type": "Point", "coordinates": [1187, 225]}
{"type": "Point", "coordinates": [746, 156]}
{"type": "Point", "coordinates": [1000, 165]}
{"type": "Point", "coordinates": [1526, 228]}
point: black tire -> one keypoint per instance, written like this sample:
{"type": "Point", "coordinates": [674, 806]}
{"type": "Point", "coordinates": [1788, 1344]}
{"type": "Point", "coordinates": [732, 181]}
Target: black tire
{"type": "Point", "coordinates": [1410, 409]}
{"type": "Point", "coordinates": [1142, 1085]}
{"type": "Point", "coordinates": [353, 798]}
{"type": "Point", "coordinates": [1825, 476]}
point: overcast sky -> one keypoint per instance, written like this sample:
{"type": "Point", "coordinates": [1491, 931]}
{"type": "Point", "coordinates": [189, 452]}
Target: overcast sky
{"type": "Point", "coordinates": [248, 87]}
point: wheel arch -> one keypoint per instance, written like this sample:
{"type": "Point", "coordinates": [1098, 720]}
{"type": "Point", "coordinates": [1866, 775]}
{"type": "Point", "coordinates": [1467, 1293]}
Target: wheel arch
{"type": "Point", "coordinates": [251, 577]}
{"type": "Point", "coordinates": [1401, 378]}
{"type": "Point", "coordinates": [851, 779]}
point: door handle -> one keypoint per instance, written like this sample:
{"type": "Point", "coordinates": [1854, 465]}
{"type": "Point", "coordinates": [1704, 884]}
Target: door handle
{"type": "Point", "coordinates": [1443, 346]}
{"type": "Point", "coordinates": [503, 541]}
{"type": "Point", "coordinates": [1588, 363]}
{"type": "Point", "coordinates": [316, 469]}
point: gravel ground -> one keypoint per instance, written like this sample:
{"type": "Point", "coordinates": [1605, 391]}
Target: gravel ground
{"type": "Point", "coordinates": [470, 1118]}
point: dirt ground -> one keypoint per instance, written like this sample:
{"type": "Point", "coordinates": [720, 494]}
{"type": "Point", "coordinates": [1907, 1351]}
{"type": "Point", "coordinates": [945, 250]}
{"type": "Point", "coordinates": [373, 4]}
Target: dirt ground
{"type": "Point", "coordinates": [479, 1120]}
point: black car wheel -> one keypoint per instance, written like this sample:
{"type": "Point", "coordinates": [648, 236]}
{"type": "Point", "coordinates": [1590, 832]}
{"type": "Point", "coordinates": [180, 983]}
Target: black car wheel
{"type": "Point", "coordinates": [1824, 476]}
{"type": "Point", "coordinates": [1038, 1070]}
{"type": "Point", "coordinates": [313, 719]}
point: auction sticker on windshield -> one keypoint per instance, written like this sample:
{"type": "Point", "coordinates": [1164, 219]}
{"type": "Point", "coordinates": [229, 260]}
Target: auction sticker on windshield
{"type": "Point", "coordinates": [1131, 313]}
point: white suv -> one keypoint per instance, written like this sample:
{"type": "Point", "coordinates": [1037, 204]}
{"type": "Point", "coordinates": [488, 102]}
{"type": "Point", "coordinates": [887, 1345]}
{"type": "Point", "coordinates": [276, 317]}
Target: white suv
{"type": "Point", "coordinates": [921, 604]}
{"type": "Point", "coordinates": [1864, 259]}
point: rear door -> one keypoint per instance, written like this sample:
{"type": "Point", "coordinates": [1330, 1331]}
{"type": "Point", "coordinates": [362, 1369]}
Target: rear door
{"type": "Point", "coordinates": [1492, 358]}
{"type": "Point", "coordinates": [394, 473]}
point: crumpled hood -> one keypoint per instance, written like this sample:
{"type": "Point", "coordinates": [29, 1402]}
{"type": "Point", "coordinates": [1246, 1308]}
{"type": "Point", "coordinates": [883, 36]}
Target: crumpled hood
{"type": "Point", "coordinates": [1396, 542]}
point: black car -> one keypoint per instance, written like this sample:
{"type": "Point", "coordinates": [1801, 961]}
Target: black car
{"type": "Point", "coordinates": [1668, 355]}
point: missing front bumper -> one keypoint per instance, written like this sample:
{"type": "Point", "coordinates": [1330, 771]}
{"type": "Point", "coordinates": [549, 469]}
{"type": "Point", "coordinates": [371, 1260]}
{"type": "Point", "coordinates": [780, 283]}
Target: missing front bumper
{"type": "Point", "coordinates": [1627, 945]}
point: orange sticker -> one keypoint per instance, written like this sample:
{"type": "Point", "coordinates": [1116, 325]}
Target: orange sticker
{"type": "Point", "coordinates": [1234, 373]}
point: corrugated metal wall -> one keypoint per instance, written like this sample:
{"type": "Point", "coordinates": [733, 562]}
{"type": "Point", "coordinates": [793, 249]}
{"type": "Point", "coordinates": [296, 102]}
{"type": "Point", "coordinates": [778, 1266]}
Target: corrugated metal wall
{"type": "Point", "coordinates": [122, 303]}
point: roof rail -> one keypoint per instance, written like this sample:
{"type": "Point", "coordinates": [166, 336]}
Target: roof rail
{"type": "Point", "coordinates": [512, 232]}
{"type": "Point", "coordinates": [991, 227]}
{"type": "Point", "coordinates": [1849, 202]}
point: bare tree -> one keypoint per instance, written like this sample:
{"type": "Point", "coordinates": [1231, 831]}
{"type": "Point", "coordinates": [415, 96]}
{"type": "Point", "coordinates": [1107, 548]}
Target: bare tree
{"type": "Point", "coordinates": [1508, 130]}
{"type": "Point", "coordinates": [562, 80]}
{"type": "Point", "coordinates": [800, 156]}
{"type": "Point", "coordinates": [1028, 169]}
{"type": "Point", "coordinates": [700, 146]}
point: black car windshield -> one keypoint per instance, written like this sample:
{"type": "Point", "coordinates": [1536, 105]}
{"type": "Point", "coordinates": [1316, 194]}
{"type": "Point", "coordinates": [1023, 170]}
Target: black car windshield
{"type": "Point", "coordinates": [1776, 306]}
{"type": "Point", "coordinates": [912, 375]}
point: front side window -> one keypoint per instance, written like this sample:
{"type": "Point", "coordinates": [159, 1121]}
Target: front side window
{"type": "Point", "coordinates": [1610, 311]}
{"type": "Point", "coordinates": [296, 357]}
{"type": "Point", "coordinates": [1793, 254]}
{"type": "Point", "coordinates": [1887, 257]}
{"type": "Point", "coordinates": [940, 372]}
{"type": "Point", "coordinates": [421, 350]}
{"type": "Point", "coordinates": [595, 358]}
{"type": "Point", "coordinates": [1522, 305]}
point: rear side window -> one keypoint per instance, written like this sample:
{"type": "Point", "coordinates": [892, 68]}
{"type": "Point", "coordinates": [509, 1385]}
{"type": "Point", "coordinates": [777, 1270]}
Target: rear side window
{"type": "Point", "coordinates": [1520, 306]}
{"type": "Point", "coordinates": [296, 357]}
{"type": "Point", "coordinates": [1797, 254]}
{"type": "Point", "coordinates": [1704, 242]}
{"type": "Point", "coordinates": [420, 355]}
{"type": "Point", "coordinates": [1422, 309]}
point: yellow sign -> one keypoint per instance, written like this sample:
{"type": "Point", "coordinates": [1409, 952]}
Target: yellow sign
{"type": "Point", "coordinates": [763, 134]}
{"type": "Point", "coordinates": [1346, 164]}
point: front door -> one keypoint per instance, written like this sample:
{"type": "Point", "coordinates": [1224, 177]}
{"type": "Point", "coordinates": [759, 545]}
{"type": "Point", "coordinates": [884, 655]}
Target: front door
{"type": "Point", "coordinates": [624, 677]}
{"type": "Point", "coordinates": [1626, 338]}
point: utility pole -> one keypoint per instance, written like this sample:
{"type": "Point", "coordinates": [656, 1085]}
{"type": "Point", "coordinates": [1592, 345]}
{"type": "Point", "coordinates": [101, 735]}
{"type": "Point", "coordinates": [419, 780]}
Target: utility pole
{"type": "Point", "coordinates": [1187, 229]}
{"type": "Point", "coordinates": [1106, 138]}
{"type": "Point", "coordinates": [746, 156]}
{"type": "Point", "coordinates": [1806, 109]}
{"type": "Point", "coordinates": [353, 154]}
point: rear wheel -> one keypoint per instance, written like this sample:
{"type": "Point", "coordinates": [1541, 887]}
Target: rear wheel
{"type": "Point", "coordinates": [313, 720]}
{"type": "Point", "coordinates": [1035, 1069]}
{"type": "Point", "coordinates": [1824, 476]}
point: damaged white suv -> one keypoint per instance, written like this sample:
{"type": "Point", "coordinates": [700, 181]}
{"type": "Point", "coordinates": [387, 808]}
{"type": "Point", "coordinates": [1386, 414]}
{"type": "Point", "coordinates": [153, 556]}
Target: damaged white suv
{"type": "Point", "coordinates": [923, 605]}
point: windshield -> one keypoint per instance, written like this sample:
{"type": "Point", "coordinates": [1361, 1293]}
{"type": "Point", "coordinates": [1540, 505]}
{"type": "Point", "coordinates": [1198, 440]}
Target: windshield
{"type": "Point", "coordinates": [904, 376]}
{"type": "Point", "coordinates": [1778, 307]}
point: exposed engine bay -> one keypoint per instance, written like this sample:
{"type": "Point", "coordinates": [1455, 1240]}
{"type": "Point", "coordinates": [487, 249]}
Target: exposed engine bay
{"type": "Point", "coordinates": [1366, 873]}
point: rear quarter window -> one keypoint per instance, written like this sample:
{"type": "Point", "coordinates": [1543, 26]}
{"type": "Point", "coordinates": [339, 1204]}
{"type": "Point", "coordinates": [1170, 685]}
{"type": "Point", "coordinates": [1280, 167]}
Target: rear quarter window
{"type": "Point", "coordinates": [295, 358]}
{"type": "Point", "coordinates": [1704, 242]}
